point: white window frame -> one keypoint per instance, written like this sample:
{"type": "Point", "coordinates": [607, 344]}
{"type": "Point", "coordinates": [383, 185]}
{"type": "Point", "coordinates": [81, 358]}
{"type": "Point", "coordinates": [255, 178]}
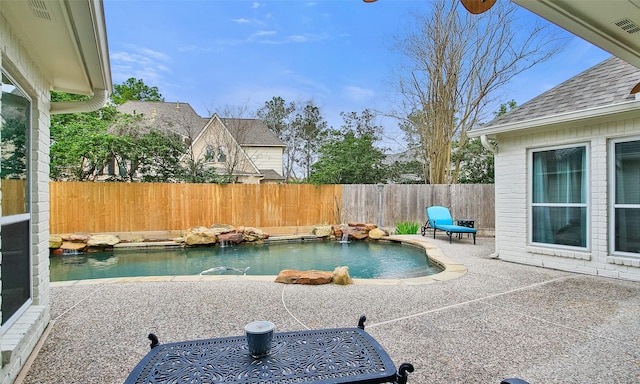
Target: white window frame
{"type": "Point", "coordinates": [12, 219]}
{"type": "Point", "coordinates": [612, 197]}
{"type": "Point", "coordinates": [586, 204]}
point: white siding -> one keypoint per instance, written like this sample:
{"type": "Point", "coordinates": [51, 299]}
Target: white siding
{"type": "Point", "coordinates": [512, 199]}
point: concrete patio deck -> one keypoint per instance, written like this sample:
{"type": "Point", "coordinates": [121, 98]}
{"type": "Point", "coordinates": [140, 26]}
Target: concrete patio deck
{"type": "Point", "coordinates": [498, 320]}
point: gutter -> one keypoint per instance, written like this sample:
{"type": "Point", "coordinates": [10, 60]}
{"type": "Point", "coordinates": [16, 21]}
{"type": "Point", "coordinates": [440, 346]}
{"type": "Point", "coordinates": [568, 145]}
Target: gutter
{"type": "Point", "coordinates": [97, 101]}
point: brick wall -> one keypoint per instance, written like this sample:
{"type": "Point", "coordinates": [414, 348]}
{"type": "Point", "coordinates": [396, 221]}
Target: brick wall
{"type": "Point", "coordinates": [512, 198]}
{"type": "Point", "coordinates": [20, 338]}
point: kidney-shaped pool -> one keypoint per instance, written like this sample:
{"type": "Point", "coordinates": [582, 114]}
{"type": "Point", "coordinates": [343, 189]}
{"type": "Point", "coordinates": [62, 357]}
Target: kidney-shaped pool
{"type": "Point", "coordinates": [365, 259]}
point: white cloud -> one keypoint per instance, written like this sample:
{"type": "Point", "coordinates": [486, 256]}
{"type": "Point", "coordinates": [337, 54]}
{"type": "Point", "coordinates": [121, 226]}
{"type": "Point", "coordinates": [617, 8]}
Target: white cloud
{"type": "Point", "coordinates": [256, 5]}
{"type": "Point", "coordinates": [141, 63]}
{"type": "Point", "coordinates": [241, 21]}
{"type": "Point", "coordinates": [358, 93]}
{"type": "Point", "coordinates": [265, 33]}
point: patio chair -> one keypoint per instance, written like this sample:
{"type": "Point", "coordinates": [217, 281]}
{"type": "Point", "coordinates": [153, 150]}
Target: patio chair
{"type": "Point", "coordinates": [439, 218]}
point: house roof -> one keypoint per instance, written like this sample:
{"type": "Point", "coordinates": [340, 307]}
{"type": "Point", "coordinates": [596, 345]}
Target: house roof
{"type": "Point", "coordinates": [181, 118]}
{"type": "Point", "coordinates": [175, 117]}
{"type": "Point", "coordinates": [588, 94]}
{"type": "Point", "coordinates": [251, 132]}
{"type": "Point", "coordinates": [270, 174]}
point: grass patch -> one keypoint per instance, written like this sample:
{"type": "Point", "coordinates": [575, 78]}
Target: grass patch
{"type": "Point", "coordinates": [407, 227]}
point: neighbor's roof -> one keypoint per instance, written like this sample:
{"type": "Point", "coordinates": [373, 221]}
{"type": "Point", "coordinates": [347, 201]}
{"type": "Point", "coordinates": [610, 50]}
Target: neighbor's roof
{"type": "Point", "coordinates": [176, 117]}
{"type": "Point", "coordinates": [251, 132]}
{"type": "Point", "coordinates": [271, 174]}
{"type": "Point", "coordinates": [606, 84]}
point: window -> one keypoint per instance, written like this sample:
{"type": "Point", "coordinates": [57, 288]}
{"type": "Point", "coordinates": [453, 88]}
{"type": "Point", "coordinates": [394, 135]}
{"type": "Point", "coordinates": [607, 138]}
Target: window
{"type": "Point", "coordinates": [222, 154]}
{"type": "Point", "coordinates": [15, 220]}
{"type": "Point", "coordinates": [625, 223]}
{"type": "Point", "coordinates": [559, 196]}
{"type": "Point", "coordinates": [210, 155]}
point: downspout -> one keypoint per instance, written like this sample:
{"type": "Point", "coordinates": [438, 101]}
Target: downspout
{"type": "Point", "coordinates": [493, 148]}
{"type": "Point", "coordinates": [97, 101]}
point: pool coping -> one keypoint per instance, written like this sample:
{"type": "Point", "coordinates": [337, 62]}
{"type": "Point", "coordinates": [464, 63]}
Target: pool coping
{"type": "Point", "coordinates": [451, 269]}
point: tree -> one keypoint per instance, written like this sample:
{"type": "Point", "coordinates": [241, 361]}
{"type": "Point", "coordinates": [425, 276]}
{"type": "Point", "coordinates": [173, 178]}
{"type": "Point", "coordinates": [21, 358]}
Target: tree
{"type": "Point", "coordinates": [134, 89]}
{"type": "Point", "coordinates": [455, 65]}
{"type": "Point", "coordinates": [349, 156]}
{"type": "Point", "coordinates": [301, 127]}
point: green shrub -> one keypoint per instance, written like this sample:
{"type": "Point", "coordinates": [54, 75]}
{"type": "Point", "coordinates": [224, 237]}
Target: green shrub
{"type": "Point", "coordinates": [407, 228]}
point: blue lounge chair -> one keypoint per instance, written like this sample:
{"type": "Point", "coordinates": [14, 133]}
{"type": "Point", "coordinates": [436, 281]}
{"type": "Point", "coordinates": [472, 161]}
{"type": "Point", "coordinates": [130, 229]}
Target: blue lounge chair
{"type": "Point", "coordinates": [439, 218]}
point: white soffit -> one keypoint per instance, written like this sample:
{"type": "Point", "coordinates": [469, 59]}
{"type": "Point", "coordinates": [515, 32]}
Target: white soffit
{"type": "Point", "coordinates": [613, 25]}
{"type": "Point", "coordinates": [66, 39]}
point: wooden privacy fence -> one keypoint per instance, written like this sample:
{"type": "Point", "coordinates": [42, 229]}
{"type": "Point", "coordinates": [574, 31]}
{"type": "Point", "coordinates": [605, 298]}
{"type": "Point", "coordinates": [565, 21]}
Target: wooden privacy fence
{"type": "Point", "coordinates": [138, 207]}
{"type": "Point", "coordinates": [408, 202]}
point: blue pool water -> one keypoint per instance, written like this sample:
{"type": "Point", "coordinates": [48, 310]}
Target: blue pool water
{"type": "Point", "coordinates": [364, 259]}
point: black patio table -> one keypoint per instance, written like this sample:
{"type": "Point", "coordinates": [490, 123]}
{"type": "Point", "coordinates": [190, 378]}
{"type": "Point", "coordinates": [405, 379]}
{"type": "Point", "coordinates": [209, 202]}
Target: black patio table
{"type": "Point", "coordinates": [335, 355]}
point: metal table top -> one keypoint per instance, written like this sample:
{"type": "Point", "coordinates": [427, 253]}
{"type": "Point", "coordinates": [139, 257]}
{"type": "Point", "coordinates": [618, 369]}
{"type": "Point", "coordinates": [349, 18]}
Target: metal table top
{"type": "Point", "coordinates": [335, 355]}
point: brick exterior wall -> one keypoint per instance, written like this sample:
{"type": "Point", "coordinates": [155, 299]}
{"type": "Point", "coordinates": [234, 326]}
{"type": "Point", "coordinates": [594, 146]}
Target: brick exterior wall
{"type": "Point", "coordinates": [513, 197]}
{"type": "Point", "coordinates": [19, 340]}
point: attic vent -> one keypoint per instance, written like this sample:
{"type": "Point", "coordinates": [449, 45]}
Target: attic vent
{"type": "Point", "coordinates": [39, 9]}
{"type": "Point", "coordinates": [627, 26]}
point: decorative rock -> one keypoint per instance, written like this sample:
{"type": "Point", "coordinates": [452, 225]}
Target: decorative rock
{"type": "Point", "coordinates": [235, 238]}
{"type": "Point", "coordinates": [323, 231]}
{"type": "Point", "coordinates": [55, 241]}
{"type": "Point", "coordinates": [315, 278]}
{"type": "Point", "coordinates": [356, 224]}
{"type": "Point", "coordinates": [252, 234]}
{"type": "Point", "coordinates": [77, 237]}
{"type": "Point", "coordinates": [73, 246]}
{"type": "Point", "coordinates": [219, 229]}
{"type": "Point", "coordinates": [200, 236]}
{"type": "Point", "coordinates": [288, 276]}
{"type": "Point", "coordinates": [377, 233]}
{"type": "Point", "coordinates": [341, 276]}
{"type": "Point", "coordinates": [370, 226]}
{"type": "Point", "coordinates": [103, 241]}
{"type": "Point", "coordinates": [292, 276]}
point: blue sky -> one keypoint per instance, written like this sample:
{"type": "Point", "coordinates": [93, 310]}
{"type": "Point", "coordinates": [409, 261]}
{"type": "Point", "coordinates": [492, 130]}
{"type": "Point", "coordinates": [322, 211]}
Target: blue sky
{"type": "Point", "coordinates": [217, 53]}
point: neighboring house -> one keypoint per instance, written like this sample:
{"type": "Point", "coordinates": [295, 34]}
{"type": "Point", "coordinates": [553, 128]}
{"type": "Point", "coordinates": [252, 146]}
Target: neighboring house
{"type": "Point", "coordinates": [567, 175]}
{"type": "Point", "coordinates": [44, 45]}
{"type": "Point", "coordinates": [242, 148]}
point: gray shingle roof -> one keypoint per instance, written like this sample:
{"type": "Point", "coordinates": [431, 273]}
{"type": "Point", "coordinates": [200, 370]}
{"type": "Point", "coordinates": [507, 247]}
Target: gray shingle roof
{"type": "Point", "coordinates": [607, 83]}
{"type": "Point", "coordinates": [167, 116]}
{"type": "Point", "coordinates": [181, 118]}
{"type": "Point", "coordinates": [251, 132]}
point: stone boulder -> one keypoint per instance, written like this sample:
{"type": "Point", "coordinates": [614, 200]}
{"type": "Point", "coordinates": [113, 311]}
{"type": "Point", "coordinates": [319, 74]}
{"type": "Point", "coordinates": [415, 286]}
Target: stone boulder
{"type": "Point", "coordinates": [231, 237]}
{"type": "Point", "coordinates": [219, 229]}
{"type": "Point", "coordinates": [322, 231]}
{"type": "Point", "coordinates": [341, 276]}
{"type": "Point", "coordinates": [250, 234]}
{"type": "Point", "coordinates": [79, 237]}
{"type": "Point", "coordinates": [200, 236]}
{"type": "Point", "coordinates": [292, 276]}
{"type": "Point", "coordinates": [55, 241]}
{"type": "Point", "coordinates": [103, 241]}
{"type": "Point", "coordinates": [73, 246]}
{"type": "Point", "coordinates": [377, 233]}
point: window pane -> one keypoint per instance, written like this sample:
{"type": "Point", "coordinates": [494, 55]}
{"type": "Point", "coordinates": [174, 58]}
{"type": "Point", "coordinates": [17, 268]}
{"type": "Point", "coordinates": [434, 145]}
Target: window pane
{"type": "Point", "coordinates": [558, 176]}
{"type": "Point", "coordinates": [560, 225]}
{"type": "Point", "coordinates": [628, 172]}
{"type": "Point", "coordinates": [627, 230]}
{"type": "Point", "coordinates": [16, 266]}
{"type": "Point", "coordinates": [13, 146]}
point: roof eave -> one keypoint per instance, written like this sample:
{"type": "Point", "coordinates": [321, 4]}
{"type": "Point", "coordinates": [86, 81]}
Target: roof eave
{"type": "Point", "coordinates": [603, 112]}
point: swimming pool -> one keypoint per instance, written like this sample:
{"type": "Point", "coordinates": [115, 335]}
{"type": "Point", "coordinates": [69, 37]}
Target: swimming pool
{"type": "Point", "coordinates": [377, 260]}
